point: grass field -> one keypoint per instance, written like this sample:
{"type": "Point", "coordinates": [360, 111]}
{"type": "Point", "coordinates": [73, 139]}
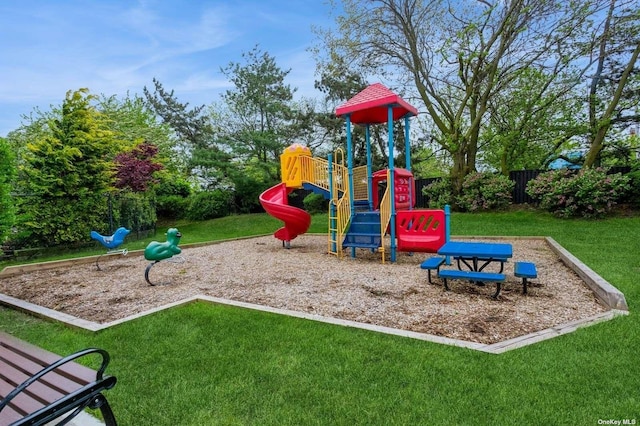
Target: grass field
{"type": "Point", "coordinates": [206, 365]}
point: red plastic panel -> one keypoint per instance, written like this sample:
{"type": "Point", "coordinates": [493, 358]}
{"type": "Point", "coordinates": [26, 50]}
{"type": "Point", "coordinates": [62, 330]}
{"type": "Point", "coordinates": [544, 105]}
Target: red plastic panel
{"type": "Point", "coordinates": [420, 230]}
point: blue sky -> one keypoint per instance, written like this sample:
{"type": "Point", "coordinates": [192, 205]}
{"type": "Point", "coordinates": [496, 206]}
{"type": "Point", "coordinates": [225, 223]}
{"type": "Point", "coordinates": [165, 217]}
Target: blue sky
{"type": "Point", "coordinates": [117, 46]}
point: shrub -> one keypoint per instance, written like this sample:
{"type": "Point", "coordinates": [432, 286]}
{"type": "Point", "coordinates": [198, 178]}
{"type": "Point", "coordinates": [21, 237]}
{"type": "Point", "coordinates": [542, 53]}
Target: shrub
{"type": "Point", "coordinates": [247, 191]}
{"type": "Point", "coordinates": [438, 193]}
{"type": "Point", "coordinates": [172, 206]}
{"type": "Point", "coordinates": [173, 185]}
{"type": "Point", "coordinates": [590, 193]}
{"type": "Point", "coordinates": [634, 183]}
{"type": "Point", "coordinates": [64, 220]}
{"type": "Point", "coordinates": [135, 211]}
{"type": "Point", "coordinates": [315, 203]}
{"type": "Point", "coordinates": [485, 191]}
{"type": "Point", "coordinates": [210, 205]}
{"type": "Point", "coordinates": [172, 197]}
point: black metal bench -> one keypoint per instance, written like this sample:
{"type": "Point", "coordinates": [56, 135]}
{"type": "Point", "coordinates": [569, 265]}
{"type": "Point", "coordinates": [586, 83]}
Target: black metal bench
{"type": "Point", "coordinates": [446, 274]}
{"type": "Point", "coordinates": [38, 387]}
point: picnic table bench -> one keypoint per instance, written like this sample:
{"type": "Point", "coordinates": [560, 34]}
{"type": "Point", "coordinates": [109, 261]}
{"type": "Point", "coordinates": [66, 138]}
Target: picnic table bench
{"type": "Point", "coordinates": [525, 270]}
{"type": "Point", "coordinates": [476, 276]}
{"type": "Point", "coordinates": [37, 386]}
{"type": "Point", "coordinates": [434, 262]}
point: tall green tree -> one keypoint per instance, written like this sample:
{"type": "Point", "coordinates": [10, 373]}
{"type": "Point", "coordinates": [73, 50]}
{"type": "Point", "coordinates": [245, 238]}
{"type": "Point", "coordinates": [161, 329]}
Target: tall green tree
{"type": "Point", "coordinates": [261, 118]}
{"type": "Point", "coordinates": [529, 124]}
{"type": "Point", "coordinates": [132, 121]}
{"type": "Point", "coordinates": [67, 170]}
{"type": "Point", "coordinates": [7, 174]}
{"type": "Point", "coordinates": [458, 56]}
{"type": "Point", "coordinates": [192, 125]}
{"type": "Point", "coordinates": [338, 82]}
{"type": "Point", "coordinates": [198, 139]}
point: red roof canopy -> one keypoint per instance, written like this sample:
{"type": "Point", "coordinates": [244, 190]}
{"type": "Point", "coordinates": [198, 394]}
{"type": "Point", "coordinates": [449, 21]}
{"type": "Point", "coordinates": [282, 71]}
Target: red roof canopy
{"type": "Point", "coordinates": [371, 106]}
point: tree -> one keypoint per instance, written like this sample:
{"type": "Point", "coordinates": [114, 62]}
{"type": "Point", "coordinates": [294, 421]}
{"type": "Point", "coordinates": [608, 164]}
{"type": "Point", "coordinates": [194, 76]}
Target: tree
{"type": "Point", "coordinates": [135, 169]}
{"type": "Point", "coordinates": [131, 119]}
{"type": "Point", "coordinates": [261, 118]}
{"type": "Point", "coordinates": [7, 174]}
{"type": "Point", "coordinates": [198, 139]}
{"type": "Point", "coordinates": [192, 126]}
{"type": "Point", "coordinates": [529, 124]}
{"type": "Point", "coordinates": [339, 83]}
{"type": "Point", "coordinates": [458, 56]}
{"type": "Point", "coordinates": [67, 170]}
{"type": "Point", "coordinates": [611, 102]}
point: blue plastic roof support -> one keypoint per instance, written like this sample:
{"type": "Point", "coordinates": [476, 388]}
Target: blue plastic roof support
{"type": "Point", "coordinates": [367, 134]}
{"type": "Point", "coordinates": [350, 168]}
{"type": "Point", "coordinates": [447, 229]}
{"type": "Point", "coordinates": [391, 184]}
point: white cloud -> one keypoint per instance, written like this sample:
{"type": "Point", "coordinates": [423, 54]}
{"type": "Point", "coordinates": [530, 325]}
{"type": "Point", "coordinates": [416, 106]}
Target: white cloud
{"type": "Point", "coordinates": [119, 46]}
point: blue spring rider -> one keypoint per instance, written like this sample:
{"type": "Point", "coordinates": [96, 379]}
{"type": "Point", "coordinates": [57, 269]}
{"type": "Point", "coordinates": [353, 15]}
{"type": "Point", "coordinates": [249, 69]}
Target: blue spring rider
{"type": "Point", "coordinates": [111, 242]}
{"type": "Point", "coordinates": [156, 252]}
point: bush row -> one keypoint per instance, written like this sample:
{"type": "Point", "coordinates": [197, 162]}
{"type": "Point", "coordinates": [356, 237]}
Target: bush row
{"type": "Point", "coordinates": [589, 193]}
{"type": "Point", "coordinates": [480, 192]}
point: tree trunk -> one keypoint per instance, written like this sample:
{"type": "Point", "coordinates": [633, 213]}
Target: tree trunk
{"type": "Point", "coordinates": [599, 126]}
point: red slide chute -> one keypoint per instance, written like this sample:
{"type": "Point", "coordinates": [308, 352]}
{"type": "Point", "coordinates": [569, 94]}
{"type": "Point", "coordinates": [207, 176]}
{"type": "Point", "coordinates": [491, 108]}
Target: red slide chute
{"type": "Point", "coordinates": [275, 203]}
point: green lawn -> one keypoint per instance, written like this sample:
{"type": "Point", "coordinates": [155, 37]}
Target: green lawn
{"type": "Point", "coordinates": [203, 365]}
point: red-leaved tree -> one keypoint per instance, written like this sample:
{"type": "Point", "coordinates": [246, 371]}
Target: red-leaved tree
{"type": "Point", "coordinates": [135, 169]}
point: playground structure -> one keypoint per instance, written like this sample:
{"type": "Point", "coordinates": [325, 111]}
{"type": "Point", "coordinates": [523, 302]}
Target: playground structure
{"type": "Point", "coordinates": [157, 252]}
{"type": "Point", "coordinates": [111, 243]}
{"type": "Point", "coordinates": [358, 216]}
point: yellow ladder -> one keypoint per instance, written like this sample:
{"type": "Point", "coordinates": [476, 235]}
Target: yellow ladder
{"type": "Point", "coordinates": [334, 247]}
{"type": "Point", "coordinates": [339, 219]}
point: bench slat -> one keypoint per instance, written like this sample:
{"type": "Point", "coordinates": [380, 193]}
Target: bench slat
{"type": "Point", "coordinates": [19, 369]}
{"type": "Point", "coordinates": [74, 371]}
{"type": "Point", "coordinates": [68, 386]}
{"type": "Point", "coordinates": [432, 262]}
{"type": "Point", "coordinates": [35, 396]}
{"type": "Point", "coordinates": [9, 415]}
{"type": "Point", "coordinates": [20, 406]}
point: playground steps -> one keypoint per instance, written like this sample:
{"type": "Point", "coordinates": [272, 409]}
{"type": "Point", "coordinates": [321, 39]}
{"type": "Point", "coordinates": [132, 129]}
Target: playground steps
{"type": "Point", "coordinates": [362, 205]}
{"type": "Point", "coordinates": [364, 231]}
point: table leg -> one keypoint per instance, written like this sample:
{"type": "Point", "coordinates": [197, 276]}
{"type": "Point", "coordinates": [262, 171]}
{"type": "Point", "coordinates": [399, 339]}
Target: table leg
{"type": "Point", "coordinates": [498, 288]}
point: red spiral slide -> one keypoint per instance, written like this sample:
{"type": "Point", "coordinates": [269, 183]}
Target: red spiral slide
{"type": "Point", "coordinates": [275, 203]}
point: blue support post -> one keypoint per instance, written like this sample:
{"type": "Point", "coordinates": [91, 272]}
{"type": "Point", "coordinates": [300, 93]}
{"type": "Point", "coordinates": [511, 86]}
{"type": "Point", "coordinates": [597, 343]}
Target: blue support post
{"type": "Point", "coordinates": [350, 168]}
{"type": "Point", "coordinates": [369, 168]}
{"type": "Point", "coordinates": [447, 229]}
{"type": "Point", "coordinates": [391, 185]}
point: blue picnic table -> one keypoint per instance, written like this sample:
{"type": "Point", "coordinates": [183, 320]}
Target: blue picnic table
{"type": "Point", "coordinates": [477, 255]}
